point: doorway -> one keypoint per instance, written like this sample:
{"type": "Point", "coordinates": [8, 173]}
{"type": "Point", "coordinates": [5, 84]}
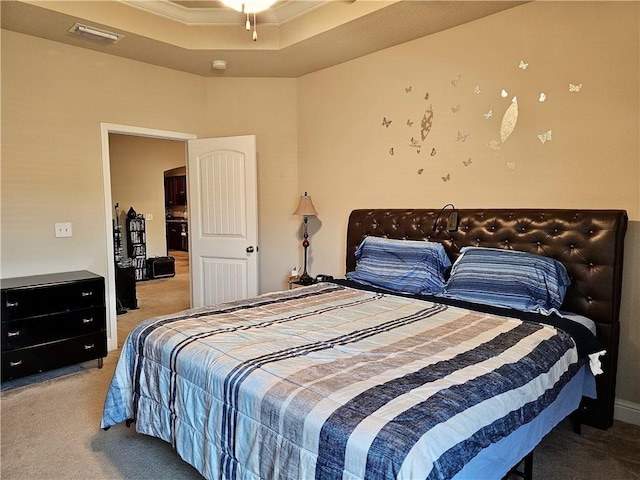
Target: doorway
{"type": "Point", "coordinates": [148, 134]}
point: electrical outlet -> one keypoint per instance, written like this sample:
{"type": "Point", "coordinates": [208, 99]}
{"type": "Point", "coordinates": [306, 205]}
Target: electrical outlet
{"type": "Point", "coordinates": [148, 216]}
{"type": "Point", "coordinates": [452, 222]}
{"type": "Point", "coordinates": [63, 230]}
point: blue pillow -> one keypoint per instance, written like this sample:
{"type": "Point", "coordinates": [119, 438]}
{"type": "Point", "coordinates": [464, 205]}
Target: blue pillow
{"type": "Point", "coordinates": [508, 278]}
{"type": "Point", "coordinates": [406, 266]}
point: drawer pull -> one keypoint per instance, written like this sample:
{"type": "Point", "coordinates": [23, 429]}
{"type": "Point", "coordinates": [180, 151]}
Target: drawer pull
{"type": "Point", "coordinates": [15, 364]}
{"type": "Point", "coordinates": [89, 347]}
{"type": "Point", "coordinates": [13, 334]}
{"type": "Point", "coordinates": [11, 304]}
{"type": "Point", "coordinates": [87, 320]}
{"type": "Point", "coordinates": [87, 294]}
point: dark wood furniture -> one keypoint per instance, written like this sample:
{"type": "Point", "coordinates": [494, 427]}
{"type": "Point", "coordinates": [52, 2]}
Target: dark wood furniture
{"type": "Point", "coordinates": [177, 235]}
{"type": "Point", "coordinates": [51, 321]}
{"type": "Point", "coordinates": [590, 244]}
{"type": "Point", "coordinates": [175, 191]}
{"type": "Point", "coordinates": [126, 287]}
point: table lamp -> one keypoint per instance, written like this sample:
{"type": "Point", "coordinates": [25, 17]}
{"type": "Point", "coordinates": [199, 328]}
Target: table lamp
{"type": "Point", "coordinates": [306, 209]}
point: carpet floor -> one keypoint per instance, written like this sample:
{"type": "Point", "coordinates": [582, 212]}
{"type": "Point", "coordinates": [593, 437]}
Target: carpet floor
{"type": "Point", "coordinates": [50, 424]}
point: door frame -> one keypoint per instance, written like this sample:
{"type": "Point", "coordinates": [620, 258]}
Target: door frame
{"type": "Point", "coordinates": [110, 282]}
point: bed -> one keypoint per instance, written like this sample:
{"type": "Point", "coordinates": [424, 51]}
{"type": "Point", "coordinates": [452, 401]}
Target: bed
{"type": "Point", "coordinates": [346, 380]}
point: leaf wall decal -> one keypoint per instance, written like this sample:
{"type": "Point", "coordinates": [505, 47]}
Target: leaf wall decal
{"type": "Point", "coordinates": [509, 120]}
{"type": "Point", "coordinates": [427, 121]}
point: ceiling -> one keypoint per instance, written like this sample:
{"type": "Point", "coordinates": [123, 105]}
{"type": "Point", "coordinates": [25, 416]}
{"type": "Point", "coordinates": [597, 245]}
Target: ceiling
{"type": "Point", "coordinates": [295, 37]}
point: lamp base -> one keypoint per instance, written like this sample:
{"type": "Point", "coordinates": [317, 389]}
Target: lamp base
{"type": "Point", "coordinates": [305, 279]}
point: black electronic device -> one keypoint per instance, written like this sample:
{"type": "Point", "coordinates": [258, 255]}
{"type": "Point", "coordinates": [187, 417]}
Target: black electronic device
{"type": "Point", "coordinates": [323, 278]}
{"type": "Point", "coordinates": [161, 267]}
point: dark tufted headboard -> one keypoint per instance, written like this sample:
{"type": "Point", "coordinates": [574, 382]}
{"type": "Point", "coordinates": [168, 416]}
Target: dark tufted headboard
{"type": "Point", "coordinates": [590, 243]}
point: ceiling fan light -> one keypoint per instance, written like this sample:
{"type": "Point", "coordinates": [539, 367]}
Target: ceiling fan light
{"type": "Point", "coordinates": [249, 6]}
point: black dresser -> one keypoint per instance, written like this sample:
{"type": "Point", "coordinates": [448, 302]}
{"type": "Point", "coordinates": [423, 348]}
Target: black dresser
{"type": "Point", "coordinates": [52, 321]}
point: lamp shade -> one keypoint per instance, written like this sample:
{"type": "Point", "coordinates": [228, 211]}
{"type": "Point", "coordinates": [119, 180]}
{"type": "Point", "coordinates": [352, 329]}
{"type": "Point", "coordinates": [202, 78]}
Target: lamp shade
{"type": "Point", "coordinates": [305, 207]}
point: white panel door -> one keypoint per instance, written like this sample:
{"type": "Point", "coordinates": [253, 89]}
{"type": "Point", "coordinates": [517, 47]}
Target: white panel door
{"type": "Point", "coordinates": [223, 219]}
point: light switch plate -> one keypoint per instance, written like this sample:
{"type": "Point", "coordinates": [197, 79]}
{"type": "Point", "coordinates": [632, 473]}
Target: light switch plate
{"type": "Point", "coordinates": [63, 230]}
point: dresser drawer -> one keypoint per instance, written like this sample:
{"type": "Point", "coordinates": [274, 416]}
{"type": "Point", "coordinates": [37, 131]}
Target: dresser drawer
{"type": "Point", "coordinates": [44, 329]}
{"type": "Point", "coordinates": [25, 361]}
{"type": "Point", "coordinates": [40, 300]}
{"type": "Point", "coordinates": [51, 321]}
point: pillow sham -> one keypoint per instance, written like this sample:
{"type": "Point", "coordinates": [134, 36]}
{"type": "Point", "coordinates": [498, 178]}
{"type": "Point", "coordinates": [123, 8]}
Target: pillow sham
{"type": "Point", "coordinates": [406, 266]}
{"type": "Point", "coordinates": [508, 278]}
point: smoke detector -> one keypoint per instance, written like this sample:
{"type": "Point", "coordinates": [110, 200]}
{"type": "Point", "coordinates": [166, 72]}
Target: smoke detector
{"type": "Point", "coordinates": [219, 64]}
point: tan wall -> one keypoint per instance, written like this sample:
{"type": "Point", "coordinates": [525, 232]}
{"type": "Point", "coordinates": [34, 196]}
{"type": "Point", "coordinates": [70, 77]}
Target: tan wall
{"type": "Point", "coordinates": [592, 160]}
{"type": "Point", "coordinates": [137, 180]}
{"type": "Point", "coordinates": [53, 100]}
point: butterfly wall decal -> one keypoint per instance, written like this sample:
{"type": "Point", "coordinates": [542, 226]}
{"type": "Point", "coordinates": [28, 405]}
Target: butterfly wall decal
{"type": "Point", "coordinates": [574, 88]}
{"type": "Point", "coordinates": [426, 96]}
{"type": "Point", "coordinates": [391, 151]}
{"type": "Point", "coordinates": [446, 178]}
{"type": "Point", "coordinates": [494, 145]}
{"type": "Point", "coordinates": [466, 163]}
{"type": "Point", "coordinates": [414, 143]}
{"type": "Point", "coordinates": [455, 81]}
{"type": "Point", "coordinates": [455, 109]}
{"type": "Point", "coordinates": [476, 89]}
{"type": "Point", "coordinates": [504, 93]}
{"type": "Point", "coordinates": [542, 97]}
{"type": "Point", "coordinates": [545, 137]}
{"type": "Point", "coordinates": [433, 151]}
{"type": "Point", "coordinates": [385, 122]}
{"type": "Point", "coordinates": [511, 165]}
{"type": "Point", "coordinates": [462, 137]}
{"type": "Point", "coordinates": [489, 114]}
{"type": "Point", "coordinates": [409, 123]}
{"type": "Point", "coordinates": [523, 65]}
{"type": "Point", "coordinates": [407, 89]}
{"type": "Point", "coordinates": [420, 170]}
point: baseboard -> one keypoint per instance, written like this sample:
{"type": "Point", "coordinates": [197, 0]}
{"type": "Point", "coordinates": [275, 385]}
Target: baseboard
{"type": "Point", "coordinates": [627, 412]}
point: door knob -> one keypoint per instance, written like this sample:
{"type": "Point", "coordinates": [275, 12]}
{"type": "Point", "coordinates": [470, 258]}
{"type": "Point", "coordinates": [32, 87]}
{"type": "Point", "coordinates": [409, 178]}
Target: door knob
{"type": "Point", "coordinates": [249, 249]}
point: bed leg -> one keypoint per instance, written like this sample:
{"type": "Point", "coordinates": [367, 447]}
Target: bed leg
{"type": "Point", "coordinates": [527, 472]}
{"type": "Point", "coordinates": [575, 418]}
{"type": "Point", "coordinates": [528, 467]}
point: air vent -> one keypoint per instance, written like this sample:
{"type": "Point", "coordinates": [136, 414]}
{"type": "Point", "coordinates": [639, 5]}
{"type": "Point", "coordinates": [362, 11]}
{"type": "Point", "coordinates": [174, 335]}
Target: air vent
{"type": "Point", "coordinates": [95, 33]}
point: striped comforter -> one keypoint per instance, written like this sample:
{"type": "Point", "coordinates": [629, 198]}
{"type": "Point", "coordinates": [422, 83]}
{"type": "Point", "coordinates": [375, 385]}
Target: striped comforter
{"type": "Point", "coordinates": [332, 382]}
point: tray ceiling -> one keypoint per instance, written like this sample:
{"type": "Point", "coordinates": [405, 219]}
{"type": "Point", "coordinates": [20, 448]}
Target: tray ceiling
{"type": "Point", "coordinates": [295, 37]}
